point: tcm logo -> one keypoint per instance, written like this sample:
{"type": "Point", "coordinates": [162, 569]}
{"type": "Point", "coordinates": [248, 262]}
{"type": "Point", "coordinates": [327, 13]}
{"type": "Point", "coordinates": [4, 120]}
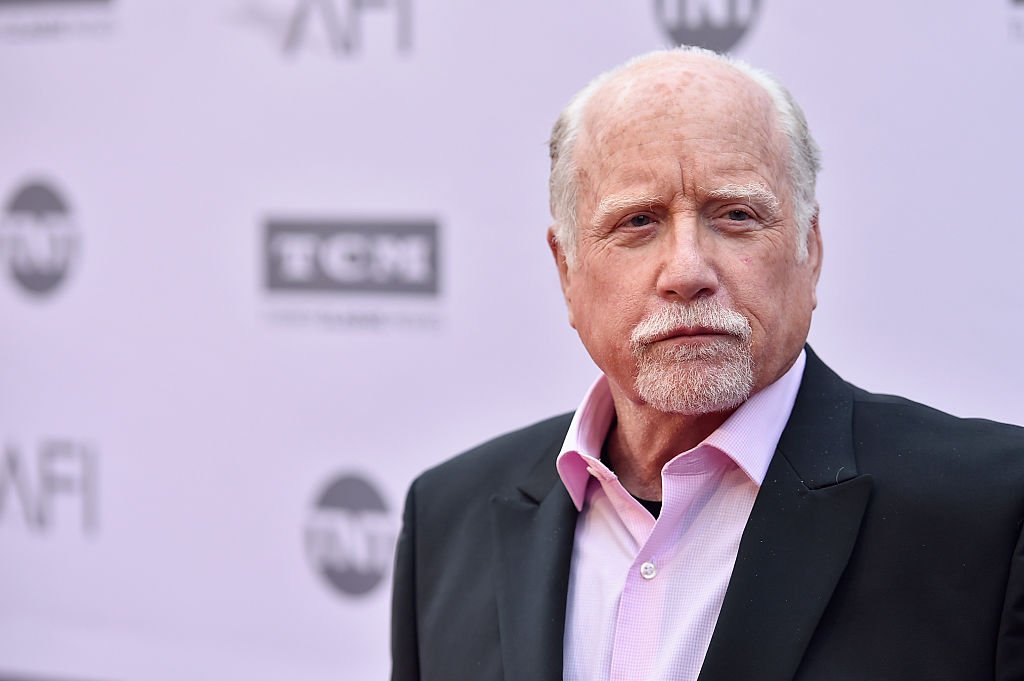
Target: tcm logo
{"type": "Point", "coordinates": [45, 3]}
{"type": "Point", "coordinates": [357, 257]}
{"type": "Point", "coordinates": [340, 26]}
{"type": "Point", "coordinates": [350, 538]}
{"type": "Point", "coordinates": [54, 484]}
{"type": "Point", "coordinates": [38, 237]}
{"type": "Point", "coordinates": [45, 19]}
{"type": "Point", "coordinates": [714, 24]}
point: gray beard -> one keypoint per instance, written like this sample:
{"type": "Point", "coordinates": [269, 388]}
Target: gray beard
{"type": "Point", "coordinates": [697, 380]}
{"type": "Point", "coordinates": [693, 381]}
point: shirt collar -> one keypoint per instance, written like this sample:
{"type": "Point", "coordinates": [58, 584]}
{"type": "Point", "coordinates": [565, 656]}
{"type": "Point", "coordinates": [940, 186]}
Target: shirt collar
{"type": "Point", "coordinates": [749, 436]}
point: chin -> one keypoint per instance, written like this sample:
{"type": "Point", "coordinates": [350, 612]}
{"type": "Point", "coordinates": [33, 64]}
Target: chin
{"type": "Point", "coordinates": [696, 386]}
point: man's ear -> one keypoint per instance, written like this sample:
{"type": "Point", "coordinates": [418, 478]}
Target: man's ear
{"type": "Point", "coordinates": [815, 253]}
{"type": "Point", "coordinates": [563, 270]}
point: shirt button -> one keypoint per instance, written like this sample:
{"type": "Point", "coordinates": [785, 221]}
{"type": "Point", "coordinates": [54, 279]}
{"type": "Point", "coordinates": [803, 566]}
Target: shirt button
{"type": "Point", "coordinates": [647, 570]}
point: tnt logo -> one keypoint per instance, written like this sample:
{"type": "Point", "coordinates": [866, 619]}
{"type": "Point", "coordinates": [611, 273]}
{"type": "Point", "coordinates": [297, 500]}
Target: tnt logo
{"type": "Point", "coordinates": [714, 24]}
{"type": "Point", "coordinates": [350, 538]}
{"type": "Point", "coordinates": [38, 238]}
{"type": "Point", "coordinates": [366, 257]}
{"type": "Point", "coordinates": [54, 484]}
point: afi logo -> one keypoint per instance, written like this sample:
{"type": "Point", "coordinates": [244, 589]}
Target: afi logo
{"type": "Point", "coordinates": [394, 257]}
{"type": "Point", "coordinates": [342, 23]}
{"type": "Point", "coordinates": [53, 484]}
{"type": "Point", "coordinates": [714, 24]}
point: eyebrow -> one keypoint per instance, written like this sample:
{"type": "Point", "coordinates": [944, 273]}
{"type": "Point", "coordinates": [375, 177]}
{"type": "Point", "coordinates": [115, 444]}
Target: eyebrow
{"type": "Point", "coordinates": [754, 192]}
{"type": "Point", "coordinates": [616, 203]}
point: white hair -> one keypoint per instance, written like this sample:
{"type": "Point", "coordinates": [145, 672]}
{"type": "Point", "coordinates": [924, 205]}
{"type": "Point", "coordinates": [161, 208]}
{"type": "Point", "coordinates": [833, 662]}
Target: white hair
{"type": "Point", "coordinates": [804, 157]}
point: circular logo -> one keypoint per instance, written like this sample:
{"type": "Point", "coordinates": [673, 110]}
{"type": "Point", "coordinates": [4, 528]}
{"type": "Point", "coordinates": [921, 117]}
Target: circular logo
{"type": "Point", "coordinates": [714, 24]}
{"type": "Point", "coordinates": [350, 538]}
{"type": "Point", "coordinates": [39, 237]}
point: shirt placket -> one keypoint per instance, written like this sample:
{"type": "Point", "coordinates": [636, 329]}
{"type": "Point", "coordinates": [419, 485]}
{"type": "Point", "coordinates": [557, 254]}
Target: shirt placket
{"type": "Point", "coordinates": [639, 631]}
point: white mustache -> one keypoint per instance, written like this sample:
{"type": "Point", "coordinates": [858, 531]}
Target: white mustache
{"type": "Point", "coordinates": [702, 314]}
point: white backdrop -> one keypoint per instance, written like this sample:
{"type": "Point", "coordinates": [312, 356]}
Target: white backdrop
{"type": "Point", "coordinates": [201, 475]}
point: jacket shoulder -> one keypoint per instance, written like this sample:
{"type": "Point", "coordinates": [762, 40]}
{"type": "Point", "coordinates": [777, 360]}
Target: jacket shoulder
{"type": "Point", "coordinates": [938, 458]}
{"type": "Point", "coordinates": [505, 459]}
{"type": "Point", "coordinates": [917, 425]}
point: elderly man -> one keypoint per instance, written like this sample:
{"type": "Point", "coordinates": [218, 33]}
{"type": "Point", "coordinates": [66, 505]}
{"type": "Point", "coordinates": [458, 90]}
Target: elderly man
{"type": "Point", "coordinates": [721, 506]}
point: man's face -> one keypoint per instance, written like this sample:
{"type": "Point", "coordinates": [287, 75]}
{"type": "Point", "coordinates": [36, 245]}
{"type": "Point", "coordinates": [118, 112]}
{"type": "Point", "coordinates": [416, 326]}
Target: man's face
{"type": "Point", "coordinates": [687, 288]}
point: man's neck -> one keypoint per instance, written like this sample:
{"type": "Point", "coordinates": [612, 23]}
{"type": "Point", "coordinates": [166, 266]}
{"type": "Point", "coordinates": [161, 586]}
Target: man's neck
{"type": "Point", "coordinates": [642, 440]}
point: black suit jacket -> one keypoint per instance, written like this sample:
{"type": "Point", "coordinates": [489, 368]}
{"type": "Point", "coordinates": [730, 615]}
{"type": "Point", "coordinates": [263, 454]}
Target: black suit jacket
{"type": "Point", "coordinates": [885, 543]}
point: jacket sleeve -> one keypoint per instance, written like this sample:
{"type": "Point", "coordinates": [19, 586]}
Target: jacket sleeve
{"type": "Point", "coordinates": [405, 664]}
{"type": "Point", "coordinates": [1010, 646]}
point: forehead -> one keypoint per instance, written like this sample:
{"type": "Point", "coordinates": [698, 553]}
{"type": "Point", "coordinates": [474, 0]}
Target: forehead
{"type": "Point", "coordinates": [706, 117]}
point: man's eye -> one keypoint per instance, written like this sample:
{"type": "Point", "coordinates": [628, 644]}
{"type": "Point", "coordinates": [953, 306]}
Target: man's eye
{"type": "Point", "coordinates": [739, 215]}
{"type": "Point", "coordinates": [640, 221]}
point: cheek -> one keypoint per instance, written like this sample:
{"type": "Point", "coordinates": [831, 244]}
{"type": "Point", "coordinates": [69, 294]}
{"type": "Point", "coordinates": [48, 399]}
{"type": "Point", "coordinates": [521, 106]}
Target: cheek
{"type": "Point", "coordinates": [605, 309]}
{"type": "Point", "coordinates": [764, 293]}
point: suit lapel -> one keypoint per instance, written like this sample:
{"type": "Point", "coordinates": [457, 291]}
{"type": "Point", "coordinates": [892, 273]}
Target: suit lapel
{"type": "Point", "coordinates": [801, 532]}
{"type": "Point", "coordinates": [534, 527]}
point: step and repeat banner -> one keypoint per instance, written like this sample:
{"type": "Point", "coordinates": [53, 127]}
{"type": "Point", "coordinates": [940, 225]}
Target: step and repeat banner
{"type": "Point", "coordinates": [263, 261]}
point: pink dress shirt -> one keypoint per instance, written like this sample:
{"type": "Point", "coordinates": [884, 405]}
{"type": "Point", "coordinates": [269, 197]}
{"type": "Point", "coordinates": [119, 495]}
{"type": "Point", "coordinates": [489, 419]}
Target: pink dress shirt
{"type": "Point", "coordinates": [645, 593]}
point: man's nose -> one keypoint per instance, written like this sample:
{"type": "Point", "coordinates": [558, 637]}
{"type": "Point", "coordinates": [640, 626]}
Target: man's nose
{"type": "Point", "coordinates": [687, 268]}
